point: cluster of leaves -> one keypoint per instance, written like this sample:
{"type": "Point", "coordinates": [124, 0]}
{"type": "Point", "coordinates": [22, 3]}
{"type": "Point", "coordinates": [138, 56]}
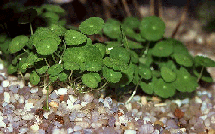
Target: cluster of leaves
{"type": "Point", "coordinates": [136, 53]}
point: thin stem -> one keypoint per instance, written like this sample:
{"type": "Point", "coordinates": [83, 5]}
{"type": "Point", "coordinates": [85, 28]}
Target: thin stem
{"type": "Point", "coordinates": [132, 96]}
{"type": "Point", "coordinates": [31, 29]}
{"type": "Point", "coordinates": [200, 75]}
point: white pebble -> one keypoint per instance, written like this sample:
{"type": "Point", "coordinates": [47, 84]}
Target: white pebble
{"type": "Point", "coordinates": [6, 97]}
{"type": "Point", "coordinates": [28, 106]}
{"type": "Point", "coordinates": [28, 116]}
{"type": "Point", "coordinates": [10, 128]}
{"type": "Point", "coordinates": [198, 100]}
{"type": "Point", "coordinates": [146, 119]}
{"type": "Point", "coordinates": [23, 130]}
{"type": "Point", "coordinates": [177, 102]}
{"type": "Point", "coordinates": [83, 104]}
{"type": "Point", "coordinates": [34, 90]}
{"type": "Point", "coordinates": [21, 99]}
{"type": "Point", "coordinates": [77, 128]}
{"type": "Point", "coordinates": [130, 132]}
{"type": "Point", "coordinates": [5, 83]}
{"type": "Point", "coordinates": [185, 101]}
{"type": "Point", "coordinates": [1, 66]}
{"type": "Point", "coordinates": [69, 130]}
{"type": "Point", "coordinates": [62, 91]}
{"type": "Point", "coordinates": [2, 124]}
{"type": "Point", "coordinates": [35, 127]}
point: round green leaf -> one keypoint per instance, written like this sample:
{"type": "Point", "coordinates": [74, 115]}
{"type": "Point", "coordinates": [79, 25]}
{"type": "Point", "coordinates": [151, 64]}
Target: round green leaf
{"type": "Point", "coordinates": [93, 25]}
{"type": "Point", "coordinates": [147, 88]}
{"type": "Point", "coordinates": [111, 75]}
{"type": "Point", "coordinates": [145, 72]}
{"type": "Point", "coordinates": [55, 69]}
{"type": "Point", "coordinates": [167, 74]}
{"type": "Point", "coordinates": [92, 66]}
{"type": "Point", "coordinates": [184, 60]}
{"type": "Point", "coordinates": [42, 70]}
{"type": "Point", "coordinates": [162, 89]}
{"type": "Point", "coordinates": [178, 47]}
{"type": "Point", "coordinates": [63, 77]}
{"type": "Point", "coordinates": [132, 22]}
{"type": "Point", "coordinates": [184, 81]}
{"type": "Point", "coordinates": [52, 78]}
{"type": "Point", "coordinates": [53, 8]}
{"type": "Point", "coordinates": [162, 49]}
{"type": "Point", "coordinates": [91, 79]}
{"type": "Point", "coordinates": [120, 53]}
{"type": "Point", "coordinates": [152, 28]}
{"type": "Point", "coordinates": [204, 61]}
{"type": "Point", "coordinates": [112, 29]}
{"type": "Point", "coordinates": [3, 37]}
{"type": "Point", "coordinates": [71, 66]}
{"type": "Point", "coordinates": [11, 69]}
{"type": "Point", "coordinates": [17, 43]}
{"type": "Point", "coordinates": [73, 37]}
{"type": "Point", "coordinates": [34, 78]}
{"type": "Point", "coordinates": [101, 48]}
{"type": "Point", "coordinates": [57, 29]}
{"type": "Point", "coordinates": [47, 46]}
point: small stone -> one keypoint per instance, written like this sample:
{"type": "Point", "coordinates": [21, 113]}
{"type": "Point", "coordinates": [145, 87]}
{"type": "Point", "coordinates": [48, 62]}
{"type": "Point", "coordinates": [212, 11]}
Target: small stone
{"type": "Point", "coordinates": [146, 129]}
{"type": "Point", "coordinates": [5, 83]}
{"type": "Point", "coordinates": [34, 90]}
{"type": "Point", "coordinates": [159, 123]}
{"type": "Point", "coordinates": [62, 91]}
{"type": "Point", "coordinates": [88, 97]}
{"type": "Point", "coordinates": [77, 128]}
{"type": "Point", "coordinates": [34, 127]}
{"type": "Point", "coordinates": [28, 106]}
{"type": "Point", "coordinates": [53, 104]}
{"type": "Point", "coordinates": [6, 97]}
{"type": "Point", "coordinates": [172, 124]}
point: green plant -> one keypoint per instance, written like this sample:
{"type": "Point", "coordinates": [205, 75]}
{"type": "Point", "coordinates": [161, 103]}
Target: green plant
{"type": "Point", "coordinates": [158, 65]}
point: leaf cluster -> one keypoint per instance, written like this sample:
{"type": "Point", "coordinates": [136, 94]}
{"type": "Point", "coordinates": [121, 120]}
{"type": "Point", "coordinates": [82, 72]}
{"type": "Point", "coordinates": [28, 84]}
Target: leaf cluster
{"type": "Point", "coordinates": [136, 54]}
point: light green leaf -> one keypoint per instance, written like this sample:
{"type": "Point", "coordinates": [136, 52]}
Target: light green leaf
{"type": "Point", "coordinates": [184, 60]}
{"type": "Point", "coordinates": [17, 43]}
{"type": "Point", "coordinates": [73, 37]}
{"type": "Point", "coordinates": [152, 28]}
{"type": "Point", "coordinates": [111, 75]}
{"type": "Point", "coordinates": [91, 79]}
{"type": "Point", "coordinates": [93, 25]}
{"type": "Point", "coordinates": [162, 49]}
{"type": "Point", "coordinates": [167, 74]}
{"type": "Point", "coordinates": [55, 69]}
{"type": "Point", "coordinates": [204, 61]}
{"type": "Point", "coordinates": [34, 78]}
{"type": "Point", "coordinates": [112, 29]}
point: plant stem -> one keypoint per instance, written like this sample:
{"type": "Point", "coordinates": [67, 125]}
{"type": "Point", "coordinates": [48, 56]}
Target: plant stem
{"type": "Point", "coordinates": [200, 75]}
{"type": "Point", "coordinates": [134, 92]}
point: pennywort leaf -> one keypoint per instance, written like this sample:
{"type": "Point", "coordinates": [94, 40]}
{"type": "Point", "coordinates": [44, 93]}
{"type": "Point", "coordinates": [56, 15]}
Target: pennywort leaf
{"type": "Point", "coordinates": [204, 61]}
{"type": "Point", "coordinates": [93, 25]}
{"type": "Point", "coordinates": [55, 69]}
{"type": "Point", "coordinates": [34, 78]}
{"type": "Point", "coordinates": [152, 28]}
{"type": "Point", "coordinates": [112, 28]}
{"type": "Point", "coordinates": [18, 43]}
{"type": "Point", "coordinates": [162, 49]}
{"type": "Point", "coordinates": [91, 79]}
{"type": "Point", "coordinates": [167, 74]}
{"type": "Point", "coordinates": [73, 37]}
{"type": "Point", "coordinates": [184, 60]}
{"type": "Point", "coordinates": [111, 75]}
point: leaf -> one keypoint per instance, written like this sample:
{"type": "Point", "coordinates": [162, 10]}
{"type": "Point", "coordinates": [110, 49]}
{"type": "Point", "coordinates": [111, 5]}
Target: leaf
{"type": "Point", "coordinates": [3, 37]}
{"type": "Point", "coordinates": [34, 78]}
{"type": "Point", "coordinates": [73, 37]}
{"type": "Point", "coordinates": [178, 47]}
{"type": "Point", "coordinates": [145, 72]}
{"type": "Point", "coordinates": [55, 69]}
{"type": "Point", "coordinates": [53, 78]}
{"type": "Point", "coordinates": [93, 25]}
{"type": "Point", "coordinates": [204, 61]}
{"type": "Point", "coordinates": [110, 75]}
{"type": "Point", "coordinates": [57, 29]}
{"type": "Point", "coordinates": [167, 74]}
{"type": "Point", "coordinates": [42, 70]}
{"type": "Point", "coordinates": [63, 77]}
{"type": "Point", "coordinates": [114, 63]}
{"type": "Point", "coordinates": [53, 8]}
{"type": "Point", "coordinates": [134, 45]}
{"type": "Point", "coordinates": [75, 55]}
{"type": "Point", "coordinates": [91, 79]}
{"type": "Point", "coordinates": [132, 22]}
{"type": "Point", "coordinates": [162, 89]}
{"type": "Point", "coordinates": [184, 60]}
{"type": "Point", "coordinates": [146, 60]}
{"type": "Point", "coordinates": [162, 49]}
{"type": "Point", "coordinates": [101, 48]}
{"type": "Point", "coordinates": [112, 28]}
{"type": "Point", "coordinates": [111, 45]}
{"type": "Point", "coordinates": [17, 43]}
{"type": "Point", "coordinates": [47, 46]}
{"type": "Point", "coordinates": [147, 88]}
{"type": "Point", "coordinates": [120, 53]}
{"type": "Point", "coordinates": [92, 66]}
{"type": "Point", "coordinates": [71, 66]}
{"type": "Point", "coordinates": [184, 81]}
{"type": "Point", "coordinates": [11, 69]}
{"type": "Point", "coordinates": [152, 28]}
